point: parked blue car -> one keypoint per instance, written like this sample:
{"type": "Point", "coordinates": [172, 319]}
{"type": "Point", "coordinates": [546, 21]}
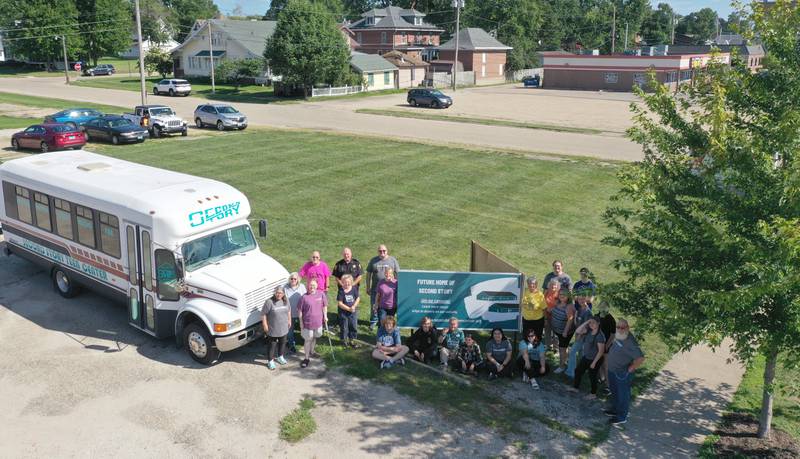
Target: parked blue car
{"type": "Point", "coordinates": [73, 116]}
{"type": "Point", "coordinates": [531, 81]}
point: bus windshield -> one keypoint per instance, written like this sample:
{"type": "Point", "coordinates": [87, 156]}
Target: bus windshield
{"type": "Point", "coordinates": [216, 246]}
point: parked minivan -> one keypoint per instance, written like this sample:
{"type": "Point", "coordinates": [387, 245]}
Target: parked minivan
{"type": "Point", "coordinates": [429, 97]}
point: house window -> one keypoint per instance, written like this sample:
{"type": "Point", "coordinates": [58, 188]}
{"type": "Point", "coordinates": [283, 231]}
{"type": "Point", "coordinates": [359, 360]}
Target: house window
{"type": "Point", "coordinates": [403, 38]}
{"type": "Point", "coordinates": [370, 80]}
{"type": "Point", "coordinates": [483, 58]}
{"type": "Point", "coordinates": [612, 77]}
{"type": "Point", "coordinates": [686, 75]}
{"type": "Point", "coordinates": [672, 77]}
{"type": "Point", "coordinates": [383, 37]}
{"type": "Point", "coordinates": [387, 78]}
{"type": "Point", "coordinates": [500, 69]}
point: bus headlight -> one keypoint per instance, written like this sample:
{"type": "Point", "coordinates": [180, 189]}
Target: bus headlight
{"type": "Point", "coordinates": [219, 328]}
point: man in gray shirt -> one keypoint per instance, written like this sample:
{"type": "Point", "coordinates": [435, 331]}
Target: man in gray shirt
{"type": "Point", "coordinates": [558, 274]}
{"type": "Point", "coordinates": [624, 357]}
{"type": "Point", "coordinates": [376, 272]}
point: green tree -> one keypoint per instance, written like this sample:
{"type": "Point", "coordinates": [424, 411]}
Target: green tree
{"type": "Point", "coordinates": [34, 29]}
{"type": "Point", "coordinates": [106, 28]}
{"type": "Point", "coordinates": [184, 13]}
{"type": "Point", "coordinates": [157, 61]}
{"type": "Point", "coordinates": [516, 23]}
{"type": "Point", "coordinates": [334, 7]}
{"type": "Point", "coordinates": [560, 22]}
{"type": "Point", "coordinates": [307, 47]}
{"type": "Point", "coordinates": [657, 28]}
{"type": "Point", "coordinates": [237, 71]}
{"type": "Point", "coordinates": [156, 21]}
{"type": "Point", "coordinates": [701, 24]}
{"type": "Point", "coordinates": [710, 219]}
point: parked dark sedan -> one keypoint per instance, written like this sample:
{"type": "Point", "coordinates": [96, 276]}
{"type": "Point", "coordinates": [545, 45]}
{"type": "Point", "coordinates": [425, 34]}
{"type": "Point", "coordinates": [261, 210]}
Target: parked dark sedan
{"type": "Point", "coordinates": [430, 97]}
{"type": "Point", "coordinates": [114, 129]}
{"type": "Point", "coordinates": [48, 136]}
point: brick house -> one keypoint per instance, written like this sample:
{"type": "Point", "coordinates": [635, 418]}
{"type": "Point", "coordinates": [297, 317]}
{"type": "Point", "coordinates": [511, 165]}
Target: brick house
{"type": "Point", "coordinates": [381, 30]}
{"type": "Point", "coordinates": [478, 52]}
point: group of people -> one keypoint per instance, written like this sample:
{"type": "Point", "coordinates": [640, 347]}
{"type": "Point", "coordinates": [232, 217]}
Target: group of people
{"type": "Point", "coordinates": [602, 346]}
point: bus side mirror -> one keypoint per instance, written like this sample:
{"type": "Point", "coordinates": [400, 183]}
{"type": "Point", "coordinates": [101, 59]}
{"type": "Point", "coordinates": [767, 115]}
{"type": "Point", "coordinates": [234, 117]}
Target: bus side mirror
{"type": "Point", "coordinates": [180, 267]}
{"type": "Point", "coordinates": [262, 228]}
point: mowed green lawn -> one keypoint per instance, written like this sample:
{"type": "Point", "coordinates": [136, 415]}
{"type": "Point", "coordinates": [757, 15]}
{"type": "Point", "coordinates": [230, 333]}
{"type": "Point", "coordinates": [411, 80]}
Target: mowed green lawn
{"type": "Point", "coordinates": [57, 104]}
{"type": "Point", "coordinates": [200, 88]}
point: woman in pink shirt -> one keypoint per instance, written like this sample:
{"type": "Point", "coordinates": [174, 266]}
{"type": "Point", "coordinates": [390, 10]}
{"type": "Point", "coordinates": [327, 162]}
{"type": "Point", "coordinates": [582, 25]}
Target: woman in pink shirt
{"type": "Point", "coordinates": [316, 269]}
{"type": "Point", "coordinates": [312, 308]}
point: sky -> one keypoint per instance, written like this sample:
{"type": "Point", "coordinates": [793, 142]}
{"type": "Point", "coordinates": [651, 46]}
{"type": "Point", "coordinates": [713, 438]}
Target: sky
{"type": "Point", "coordinates": [723, 7]}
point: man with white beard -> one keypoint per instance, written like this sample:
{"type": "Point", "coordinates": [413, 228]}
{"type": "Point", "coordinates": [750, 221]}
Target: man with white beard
{"type": "Point", "coordinates": [624, 357]}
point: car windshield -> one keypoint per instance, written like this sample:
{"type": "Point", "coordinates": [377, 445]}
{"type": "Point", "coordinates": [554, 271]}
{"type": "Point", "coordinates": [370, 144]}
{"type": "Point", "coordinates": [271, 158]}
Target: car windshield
{"type": "Point", "coordinates": [63, 128]}
{"type": "Point", "coordinates": [227, 109]}
{"type": "Point", "coordinates": [215, 247]}
{"type": "Point", "coordinates": [436, 92]}
{"type": "Point", "coordinates": [161, 111]}
{"type": "Point", "coordinates": [119, 122]}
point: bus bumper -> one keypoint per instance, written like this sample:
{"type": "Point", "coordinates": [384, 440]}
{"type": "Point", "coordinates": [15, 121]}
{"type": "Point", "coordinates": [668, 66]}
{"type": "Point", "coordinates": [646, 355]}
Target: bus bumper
{"type": "Point", "coordinates": [240, 338]}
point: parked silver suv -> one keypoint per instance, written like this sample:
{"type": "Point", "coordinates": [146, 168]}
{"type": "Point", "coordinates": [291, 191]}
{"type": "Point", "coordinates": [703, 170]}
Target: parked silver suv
{"type": "Point", "coordinates": [219, 115]}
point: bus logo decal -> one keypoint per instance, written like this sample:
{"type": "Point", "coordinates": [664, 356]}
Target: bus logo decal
{"type": "Point", "coordinates": [213, 213]}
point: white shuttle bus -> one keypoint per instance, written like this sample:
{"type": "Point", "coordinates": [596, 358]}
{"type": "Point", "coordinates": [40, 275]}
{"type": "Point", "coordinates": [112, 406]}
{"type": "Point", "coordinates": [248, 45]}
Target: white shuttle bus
{"type": "Point", "coordinates": [177, 249]}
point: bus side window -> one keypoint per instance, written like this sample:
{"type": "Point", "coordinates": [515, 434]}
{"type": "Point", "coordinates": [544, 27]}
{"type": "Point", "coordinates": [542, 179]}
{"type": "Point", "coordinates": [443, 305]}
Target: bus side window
{"type": "Point", "coordinates": [132, 260]}
{"type": "Point", "coordinates": [84, 217]}
{"type": "Point", "coordinates": [42, 205]}
{"type": "Point", "coordinates": [147, 261]}
{"type": "Point", "coordinates": [109, 235]}
{"type": "Point", "coordinates": [166, 276]}
{"type": "Point", "coordinates": [9, 198]}
{"type": "Point", "coordinates": [24, 205]}
{"type": "Point", "coordinates": [63, 213]}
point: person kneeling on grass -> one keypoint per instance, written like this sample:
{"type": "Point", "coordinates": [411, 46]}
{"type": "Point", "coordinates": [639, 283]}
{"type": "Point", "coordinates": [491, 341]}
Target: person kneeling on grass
{"type": "Point", "coordinates": [531, 361]}
{"type": "Point", "coordinates": [389, 350]}
{"type": "Point", "coordinates": [469, 357]}
{"type": "Point", "coordinates": [313, 309]}
{"type": "Point", "coordinates": [498, 355]}
{"type": "Point", "coordinates": [424, 341]}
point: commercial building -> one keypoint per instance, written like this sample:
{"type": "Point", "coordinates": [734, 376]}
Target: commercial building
{"type": "Point", "coordinates": [621, 72]}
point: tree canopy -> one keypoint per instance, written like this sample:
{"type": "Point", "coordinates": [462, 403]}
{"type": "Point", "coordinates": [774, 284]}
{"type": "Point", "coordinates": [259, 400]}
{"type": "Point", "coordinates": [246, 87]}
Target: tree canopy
{"type": "Point", "coordinates": [710, 219]}
{"type": "Point", "coordinates": [34, 29]}
{"type": "Point", "coordinates": [106, 29]}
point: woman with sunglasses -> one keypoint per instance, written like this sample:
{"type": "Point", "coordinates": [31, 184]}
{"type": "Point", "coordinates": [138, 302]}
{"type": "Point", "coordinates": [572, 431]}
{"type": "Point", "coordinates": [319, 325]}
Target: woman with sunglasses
{"type": "Point", "coordinates": [531, 361]}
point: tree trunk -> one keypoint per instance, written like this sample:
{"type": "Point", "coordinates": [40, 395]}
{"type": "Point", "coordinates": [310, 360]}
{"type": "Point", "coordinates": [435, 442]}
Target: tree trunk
{"type": "Point", "coordinates": [765, 420]}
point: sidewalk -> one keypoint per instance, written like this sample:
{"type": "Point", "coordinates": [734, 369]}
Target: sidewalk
{"type": "Point", "coordinates": [679, 409]}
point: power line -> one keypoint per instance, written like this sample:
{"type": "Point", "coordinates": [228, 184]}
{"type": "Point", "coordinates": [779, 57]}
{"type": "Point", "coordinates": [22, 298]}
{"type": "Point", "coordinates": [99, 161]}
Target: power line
{"type": "Point", "coordinates": [61, 25]}
{"type": "Point", "coordinates": [57, 35]}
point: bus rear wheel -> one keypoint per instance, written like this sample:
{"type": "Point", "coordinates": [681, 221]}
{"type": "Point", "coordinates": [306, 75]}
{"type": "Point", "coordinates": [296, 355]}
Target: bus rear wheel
{"type": "Point", "coordinates": [199, 344]}
{"type": "Point", "coordinates": [64, 285]}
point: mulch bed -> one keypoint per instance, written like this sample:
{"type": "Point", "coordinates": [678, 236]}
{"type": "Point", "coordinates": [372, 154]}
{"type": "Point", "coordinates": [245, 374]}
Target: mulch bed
{"type": "Point", "coordinates": [738, 438]}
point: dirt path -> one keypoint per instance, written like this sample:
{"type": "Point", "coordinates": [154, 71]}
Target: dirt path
{"type": "Point", "coordinates": [342, 118]}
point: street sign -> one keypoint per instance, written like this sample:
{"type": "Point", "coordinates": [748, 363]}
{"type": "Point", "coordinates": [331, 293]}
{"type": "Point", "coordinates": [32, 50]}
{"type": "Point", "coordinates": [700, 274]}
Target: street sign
{"type": "Point", "coordinates": [77, 66]}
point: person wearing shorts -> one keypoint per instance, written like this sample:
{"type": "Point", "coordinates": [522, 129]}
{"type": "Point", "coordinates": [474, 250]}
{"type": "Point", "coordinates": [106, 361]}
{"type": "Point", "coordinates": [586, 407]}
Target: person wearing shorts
{"type": "Point", "coordinates": [313, 316]}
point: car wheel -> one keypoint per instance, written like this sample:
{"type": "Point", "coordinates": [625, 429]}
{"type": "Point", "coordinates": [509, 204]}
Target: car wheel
{"type": "Point", "coordinates": [199, 344]}
{"type": "Point", "coordinates": [435, 104]}
{"type": "Point", "coordinates": [171, 92]}
{"type": "Point", "coordinates": [412, 102]}
{"type": "Point", "coordinates": [64, 285]}
{"type": "Point", "coordinates": [115, 139]}
{"type": "Point", "coordinates": [86, 135]}
{"type": "Point", "coordinates": [220, 126]}
{"type": "Point", "coordinates": [44, 147]}
{"type": "Point", "coordinates": [14, 144]}
{"type": "Point", "coordinates": [198, 122]}
{"type": "Point", "coordinates": [156, 132]}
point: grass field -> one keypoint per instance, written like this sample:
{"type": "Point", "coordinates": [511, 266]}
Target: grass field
{"type": "Point", "coordinates": [58, 104]}
{"type": "Point", "coordinates": [298, 424]}
{"type": "Point", "coordinates": [10, 122]}
{"type": "Point", "coordinates": [431, 115]}
{"type": "Point", "coordinates": [6, 70]}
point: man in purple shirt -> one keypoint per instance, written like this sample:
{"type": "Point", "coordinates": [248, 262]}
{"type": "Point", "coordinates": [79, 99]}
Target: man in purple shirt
{"type": "Point", "coordinates": [316, 269]}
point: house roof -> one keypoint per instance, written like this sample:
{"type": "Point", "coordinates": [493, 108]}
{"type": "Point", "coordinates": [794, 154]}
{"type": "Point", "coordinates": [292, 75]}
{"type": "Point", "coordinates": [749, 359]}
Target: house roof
{"type": "Point", "coordinates": [730, 39]}
{"type": "Point", "coordinates": [251, 35]}
{"type": "Point", "coordinates": [400, 59]}
{"type": "Point", "coordinates": [744, 50]}
{"type": "Point", "coordinates": [472, 39]}
{"type": "Point", "coordinates": [366, 63]}
{"type": "Point", "coordinates": [391, 17]}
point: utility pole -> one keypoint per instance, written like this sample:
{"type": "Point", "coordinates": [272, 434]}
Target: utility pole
{"type": "Point", "coordinates": [672, 32]}
{"type": "Point", "coordinates": [614, 31]}
{"type": "Point", "coordinates": [457, 4]}
{"type": "Point", "coordinates": [141, 53]}
{"type": "Point", "coordinates": [211, 58]}
{"type": "Point", "coordinates": [626, 35]}
{"type": "Point", "coordinates": [66, 64]}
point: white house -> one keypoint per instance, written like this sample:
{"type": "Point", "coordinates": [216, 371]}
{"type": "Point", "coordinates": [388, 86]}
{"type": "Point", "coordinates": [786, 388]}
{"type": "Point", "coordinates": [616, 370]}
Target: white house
{"type": "Point", "coordinates": [147, 45]}
{"type": "Point", "coordinates": [230, 39]}
{"type": "Point", "coordinates": [378, 73]}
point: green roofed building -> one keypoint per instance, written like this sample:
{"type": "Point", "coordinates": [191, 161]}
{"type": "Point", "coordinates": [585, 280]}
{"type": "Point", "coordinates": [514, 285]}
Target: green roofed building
{"type": "Point", "coordinates": [378, 73]}
{"type": "Point", "coordinates": [230, 39]}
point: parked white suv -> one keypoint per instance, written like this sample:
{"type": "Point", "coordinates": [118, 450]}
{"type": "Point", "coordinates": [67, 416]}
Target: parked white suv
{"type": "Point", "coordinates": [173, 87]}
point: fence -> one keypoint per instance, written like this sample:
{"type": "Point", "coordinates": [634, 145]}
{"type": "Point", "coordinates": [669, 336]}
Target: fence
{"type": "Point", "coordinates": [518, 75]}
{"type": "Point", "coordinates": [340, 91]}
{"type": "Point", "coordinates": [445, 79]}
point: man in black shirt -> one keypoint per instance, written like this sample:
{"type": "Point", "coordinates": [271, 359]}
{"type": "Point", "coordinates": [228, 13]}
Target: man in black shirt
{"type": "Point", "coordinates": [347, 265]}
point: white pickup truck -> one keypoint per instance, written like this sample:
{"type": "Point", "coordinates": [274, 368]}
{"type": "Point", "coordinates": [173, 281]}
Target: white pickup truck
{"type": "Point", "coordinates": [157, 119]}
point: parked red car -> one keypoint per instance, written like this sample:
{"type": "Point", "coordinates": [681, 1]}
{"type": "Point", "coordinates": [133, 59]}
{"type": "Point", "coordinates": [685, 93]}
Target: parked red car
{"type": "Point", "coordinates": [49, 136]}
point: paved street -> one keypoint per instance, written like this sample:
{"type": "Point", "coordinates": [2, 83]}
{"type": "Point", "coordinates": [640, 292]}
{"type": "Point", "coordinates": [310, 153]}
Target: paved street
{"type": "Point", "coordinates": [339, 116]}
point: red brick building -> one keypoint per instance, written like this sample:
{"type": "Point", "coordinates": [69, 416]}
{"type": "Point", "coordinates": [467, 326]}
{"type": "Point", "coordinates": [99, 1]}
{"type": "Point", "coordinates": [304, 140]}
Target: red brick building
{"type": "Point", "coordinates": [381, 30]}
{"type": "Point", "coordinates": [478, 52]}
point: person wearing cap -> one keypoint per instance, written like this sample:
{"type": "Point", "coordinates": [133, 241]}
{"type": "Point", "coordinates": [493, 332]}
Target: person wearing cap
{"type": "Point", "coordinates": [585, 286]}
{"type": "Point", "coordinates": [593, 347]}
{"type": "Point", "coordinates": [294, 290]}
{"type": "Point", "coordinates": [562, 317]}
{"type": "Point", "coordinates": [624, 357]}
{"type": "Point", "coordinates": [533, 308]}
{"type": "Point", "coordinates": [558, 273]}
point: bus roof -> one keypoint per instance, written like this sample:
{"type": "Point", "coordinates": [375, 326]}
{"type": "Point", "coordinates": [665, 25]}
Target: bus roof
{"type": "Point", "coordinates": [184, 204]}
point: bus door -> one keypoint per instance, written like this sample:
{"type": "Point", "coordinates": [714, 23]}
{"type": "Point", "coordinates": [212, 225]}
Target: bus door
{"type": "Point", "coordinates": [141, 291]}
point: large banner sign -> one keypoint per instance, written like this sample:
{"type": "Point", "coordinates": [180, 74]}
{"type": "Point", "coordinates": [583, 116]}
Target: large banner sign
{"type": "Point", "coordinates": [481, 301]}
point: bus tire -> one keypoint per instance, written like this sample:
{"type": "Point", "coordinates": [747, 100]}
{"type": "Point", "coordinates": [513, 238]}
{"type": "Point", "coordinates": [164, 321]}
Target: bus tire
{"type": "Point", "coordinates": [64, 285]}
{"type": "Point", "coordinates": [198, 343]}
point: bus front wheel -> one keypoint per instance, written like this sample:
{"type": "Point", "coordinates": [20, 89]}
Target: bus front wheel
{"type": "Point", "coordinates": [199, 344]}
{"type": "Point", "coordinates": [64, 285]}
